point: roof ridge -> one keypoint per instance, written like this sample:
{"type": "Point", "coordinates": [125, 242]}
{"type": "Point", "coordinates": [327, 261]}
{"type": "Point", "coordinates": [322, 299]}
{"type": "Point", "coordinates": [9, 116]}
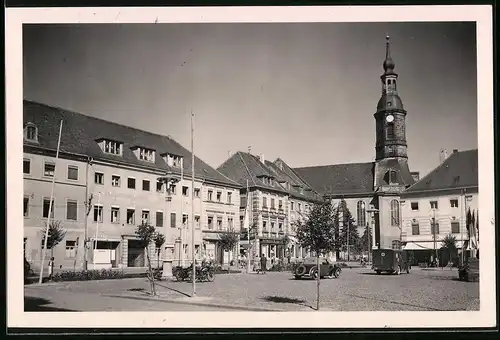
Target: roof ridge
{"type": "Point", "coordinates": [246, 167]}
{"type": "Point", "coordinates": [101, 119]}
{"type": "Point", "coordinates": [330, 165]}
{"type": "Point", "coordinates": [217, 169]}
{"type": "Point", "coordinates": [298, 176]}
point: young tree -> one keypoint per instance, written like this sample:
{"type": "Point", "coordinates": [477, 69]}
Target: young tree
{"type": "Point", "coordinates": [317, 232]}
{"type": "Point", "coordinates": [56, 235]}
{"type": "Point", "coordinates": [349, 230]}
{"type": "Point", "coordinates": [366, 240]}
{"type": "Point", "coordinates": [146, 234]}
{"type": "Point", "coordinates": [228, 240]}
{"type": "Point", "coordinates": [159, 240]}
{"type": "Point", "coordinates": [449, 243]}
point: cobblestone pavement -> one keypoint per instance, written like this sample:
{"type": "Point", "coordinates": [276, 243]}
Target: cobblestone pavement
{"type": "Point", "coordinates": [356, 290]}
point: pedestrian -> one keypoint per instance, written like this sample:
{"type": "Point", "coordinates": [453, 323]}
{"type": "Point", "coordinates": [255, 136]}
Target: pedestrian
{"type": "Point", "coordinates": [256, 264]}
{"type": "Point", "coordinates": [51, 268]}
{"type": "Point", "coordinates": [263, 264]}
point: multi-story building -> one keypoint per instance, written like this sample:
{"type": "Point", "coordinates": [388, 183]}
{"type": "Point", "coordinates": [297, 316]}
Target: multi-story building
{"type": "Point", "coordinates": [438, 204]}
{"type": "Point", "coordinates": [109, 178]}
{"type": "Point", "coordinates": [276, 198]}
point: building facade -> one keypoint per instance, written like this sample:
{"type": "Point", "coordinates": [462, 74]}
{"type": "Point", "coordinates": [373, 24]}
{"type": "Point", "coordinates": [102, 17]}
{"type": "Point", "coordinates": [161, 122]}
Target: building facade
{"type": "Point", "coordinates": [437, 206]}
{"type": "Point", "coordinates": [275, 197]}
{"type": "Point", "coordinates": [109, 178]}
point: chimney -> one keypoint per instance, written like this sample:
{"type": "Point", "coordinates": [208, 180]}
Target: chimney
{"type": "Point", "coordinates": [455, 150]}
{"type": "Point", "coordinates": [443, 155]}
{"type": "Point", "coordinates": [262, 159]}
{"type": "Point", "coordinates": [415, 175]}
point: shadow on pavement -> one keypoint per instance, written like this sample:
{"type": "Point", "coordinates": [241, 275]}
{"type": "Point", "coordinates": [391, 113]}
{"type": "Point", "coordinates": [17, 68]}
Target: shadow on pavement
{"type": "Point", "coordinates": [381, 274]}
{"type": "Point", "coordinates": [35, 304]}
{"type": "Point", "coordinates": [172, 289]}
{"type": "Point", "coordinates": [283, 299]}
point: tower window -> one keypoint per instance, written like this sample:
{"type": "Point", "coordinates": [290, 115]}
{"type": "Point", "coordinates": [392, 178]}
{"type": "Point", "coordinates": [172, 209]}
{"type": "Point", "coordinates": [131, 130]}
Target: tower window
{"type": "Point", "coordinates": [390, 130]}
{"type": "Point", "coordinates": [395, 213]}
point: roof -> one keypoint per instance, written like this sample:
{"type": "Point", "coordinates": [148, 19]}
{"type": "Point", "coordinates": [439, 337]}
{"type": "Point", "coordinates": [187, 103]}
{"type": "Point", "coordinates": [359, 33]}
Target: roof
{"type": "Point", "coordinates": [81, 132]}
{"type": "Point", "coordinates": [243, 166]}
{"type": "Point", "coordinates": [339, 179]}
{"type": "Point", "coordinates": [459, 170]}
{"type": "Point", "coordinates": [403, 174]}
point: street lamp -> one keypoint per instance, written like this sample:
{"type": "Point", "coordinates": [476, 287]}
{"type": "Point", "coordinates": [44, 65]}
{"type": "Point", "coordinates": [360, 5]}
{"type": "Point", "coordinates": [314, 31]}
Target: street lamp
{"type": "Point", "coordinates": [372, 211]}
{"type": "Point", "coordinates": [168, 179]}
{"type": "Point", "coordinates": [401, 205]}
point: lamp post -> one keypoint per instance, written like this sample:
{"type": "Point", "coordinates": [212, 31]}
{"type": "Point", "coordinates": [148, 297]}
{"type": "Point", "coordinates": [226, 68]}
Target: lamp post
{"type": "Point", "coordinates": [168, 179]}
{"type": "Point", "coordinates": [401, 205]}
{"type": "Point", "coordinates": [372, 211]}
{"type": "Point", "coordinates": [434, 231]}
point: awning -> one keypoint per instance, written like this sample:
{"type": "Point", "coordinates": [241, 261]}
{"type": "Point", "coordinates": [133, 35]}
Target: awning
{"type": "Point", "coordinates": [427, 245]}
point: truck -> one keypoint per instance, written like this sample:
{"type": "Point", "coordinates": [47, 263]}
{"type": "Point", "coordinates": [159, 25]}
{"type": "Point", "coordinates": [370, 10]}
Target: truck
{"type": "Point", "coordinates": [392, 261]}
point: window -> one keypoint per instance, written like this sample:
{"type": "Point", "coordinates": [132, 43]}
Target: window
{"type": "Point", "coordinates": [159, 186]}
{"type": "Point", "coordinates": [434, 227]}
{"type": "Point", "coordinates": [197, 222]}
{"type": "Point", "coordinates": [230, 222]}
{"type": "Point", "coordinates": [111, 147]}
{"type": "Point", "coordinates": [31, 132]}
{"type": "Point", "coordinates": [264, 225]}
{"type": "Point", "coordinates": [173, 160]}
{"type": "Point", "coordinates": [145, 184]}
{"type": "Point", "coordinates": [145, 216]}
{"type": "Point", "coordinates": [414, 205]}
{"type": "Point", "coordinates": [209, 195]}
{"type": "Point", "coordinates": [210, 221]}
{"type": "Point", "coordinates": [71, 210]}
{"type": "Point", "coordinates": [172, 220]}
{"type": "Point", "coordinates": [115, 181]}
{"type": "Point", "coordinates": [280, 226]}
{"type": "Point", "coordinates": [415, 228]}
{"type": "Point", "coordinates": [131, 183]}
{"type": "Point", "coordinates": [159, 219]}
{"type": "Point", "coordinates": [46, 205]}
{"type": "Point", "coordinates": [219, 196]}
{"type": "Point", "coordinates": [219, 223]}
{"type": "Point", "coordinates": [146, 155]}
{"type": "Point", "coordinates": [272, 203]}
{"type": "Point", "coordinates": [26, 206]}
{"type": "Point", "coordinates": [455, 227]}
{"type": "Point", "coordinates": [26, 166]}
{"type": "Point", "coordinates": [98, 213]}
{"type": "Point", "coordinates": [291, 206]}
{"type": "Point", "coordinates": [454, 203]}
{"type": "Point", "coordinates": [280, 204]}
{"type": "Point", "coordinates": [115, 215]}
{"type": "Point", "coordinates": [390, 130]}
{"type": "Point", "coordinates": [229, 197]}
{"type": "Point", "coordinates": [394, 213]}
{"type": "Point", "coordinates": [185, 220]}
{"type": "Point", "coordinates": [130, 216]}
{"type": "Point", "coordinates": [49, 169]}
{"type": "Point", "coordinates": [70, 249]}
{"type": "Point", "coordinates": [393, 178]}
{"type": "Point", "coordinates": [272, 226]}
{"type": "Point", "coordinates": [99, 178]}
{"type": "Point", "coordinates": [185, 191]}
{"type": "Point", "coordinates": [197, 193]}
{"type": "Point", "coordinates": [361, 210]}
{"type": "Point", "coordinates": [73, 172]}
{"type": "Point", "coordinates": [299, 206]}
{"type": "Point", "coordinates": [264, 202]}
{"type": "Point", "coordinates": [173, 189]}
{"type": "Point", "coordinates": [434, 205]}
{"type": "Point", "coordinates": [306, 208]}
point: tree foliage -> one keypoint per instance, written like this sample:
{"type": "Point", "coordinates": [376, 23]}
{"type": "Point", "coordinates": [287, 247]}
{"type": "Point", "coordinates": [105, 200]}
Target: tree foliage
{"type": "Point", "coordinates": [449, 244]}
{"type": "Point", "coordinates": [56, 235]}
{"type": "Point", "coordinates": [229, 239]}
{"type": "Point", "coordinates": [146, 234]}
{"type": "Point", "coordinates": [317, 232]}
{"type": "Point", "coordinates": [159, 240]}
{"type": "Point", "coordinates": [366, 239]}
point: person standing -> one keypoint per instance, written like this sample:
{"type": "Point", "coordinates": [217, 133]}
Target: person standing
{"type": "Point", "coordinates": [263, 264]}
{"type": "Point", "coordinates": [51, 268]}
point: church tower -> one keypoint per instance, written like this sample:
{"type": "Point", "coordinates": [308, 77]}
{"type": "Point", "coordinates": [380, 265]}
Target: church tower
{"type": "Point", "coordinates": [391, 172]}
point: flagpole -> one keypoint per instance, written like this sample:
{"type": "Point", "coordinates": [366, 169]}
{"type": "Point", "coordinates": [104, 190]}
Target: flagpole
{"type": "Point", "coordinates": [50, 206]}
{"type": "Point", "coordinates": [247, 219]}
{"type": "Point", "coordinates": [192, 205]}
{"type": "Point", "coordinates": [181, 255]}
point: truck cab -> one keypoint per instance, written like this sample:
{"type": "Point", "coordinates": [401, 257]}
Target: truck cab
{"type": "Point", "coordinates": [392, 261]}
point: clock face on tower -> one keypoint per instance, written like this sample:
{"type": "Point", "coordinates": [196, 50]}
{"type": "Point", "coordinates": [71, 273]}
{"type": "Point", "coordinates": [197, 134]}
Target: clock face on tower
{"type": "Point", "coordinates": [389, 118]}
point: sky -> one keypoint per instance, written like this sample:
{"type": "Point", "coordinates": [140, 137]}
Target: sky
{"type": "Point", "coordinates": [304, 92]}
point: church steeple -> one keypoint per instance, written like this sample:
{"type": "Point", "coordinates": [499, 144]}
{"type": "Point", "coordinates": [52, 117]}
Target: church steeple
{"type": "Point", "coordinates": [390, 115]}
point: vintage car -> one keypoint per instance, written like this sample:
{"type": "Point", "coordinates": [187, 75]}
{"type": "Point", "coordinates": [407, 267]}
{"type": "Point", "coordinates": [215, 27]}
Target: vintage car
{"type": "Point", "coordinates": [392, 261]}
{"type": "Point", "coordinates": [308, 268]}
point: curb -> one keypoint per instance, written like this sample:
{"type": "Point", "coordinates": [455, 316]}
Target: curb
{"type": "Point", "coordinates": [201, 304]}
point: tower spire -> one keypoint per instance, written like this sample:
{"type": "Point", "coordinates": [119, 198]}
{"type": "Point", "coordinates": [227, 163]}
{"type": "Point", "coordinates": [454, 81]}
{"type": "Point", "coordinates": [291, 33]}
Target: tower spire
{"type": "Point", "coordinates": [388, 62]}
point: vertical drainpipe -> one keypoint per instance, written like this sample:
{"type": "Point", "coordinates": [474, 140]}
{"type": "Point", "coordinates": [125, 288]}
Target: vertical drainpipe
{"type": "Point", "coordinates": [89, 161]}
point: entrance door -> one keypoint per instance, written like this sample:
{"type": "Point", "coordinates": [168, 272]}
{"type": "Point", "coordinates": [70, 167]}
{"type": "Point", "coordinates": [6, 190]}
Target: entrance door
{"type": "Point", "coordinates": [136, 254]}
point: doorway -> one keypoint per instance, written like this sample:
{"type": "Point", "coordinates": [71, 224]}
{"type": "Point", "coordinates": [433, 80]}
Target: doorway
{"type": "Point", "coordinates": [136, 254]}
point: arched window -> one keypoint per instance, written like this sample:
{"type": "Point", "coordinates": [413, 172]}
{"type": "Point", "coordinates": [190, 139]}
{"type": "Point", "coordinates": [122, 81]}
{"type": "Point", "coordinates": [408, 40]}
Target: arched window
{"type": "Point", "coordinates": [395, 213]}
{"type": "Point", "coordinates": [390, 130]}
{"type": "Point", "coordinates": [361, 214]}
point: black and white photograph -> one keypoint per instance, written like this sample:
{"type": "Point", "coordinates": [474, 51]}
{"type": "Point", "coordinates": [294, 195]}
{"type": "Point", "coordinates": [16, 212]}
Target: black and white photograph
{"type": "Point", "coordinates": [267, 164]}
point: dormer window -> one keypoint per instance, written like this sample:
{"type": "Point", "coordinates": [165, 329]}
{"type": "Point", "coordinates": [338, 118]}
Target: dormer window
{"type": "Point", "coordinates": [31, 132]}
{"type": "Point", "coordinates": [144, 154]}
{"type": "Point", "coordinates": [111, 147]}
{"type": "Point", "coordinates": [173, 160]}
{"type": "Point", "coordinates": [392, 177]}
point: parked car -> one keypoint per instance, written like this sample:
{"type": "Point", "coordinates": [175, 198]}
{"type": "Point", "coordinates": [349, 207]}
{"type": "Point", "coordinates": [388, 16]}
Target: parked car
{"type": "Point", "coordinates": [469, 271]}
{"type": "Point", "coordinates": [391, 261]}
{"type": "Point", "coordinates": [308, 268]}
